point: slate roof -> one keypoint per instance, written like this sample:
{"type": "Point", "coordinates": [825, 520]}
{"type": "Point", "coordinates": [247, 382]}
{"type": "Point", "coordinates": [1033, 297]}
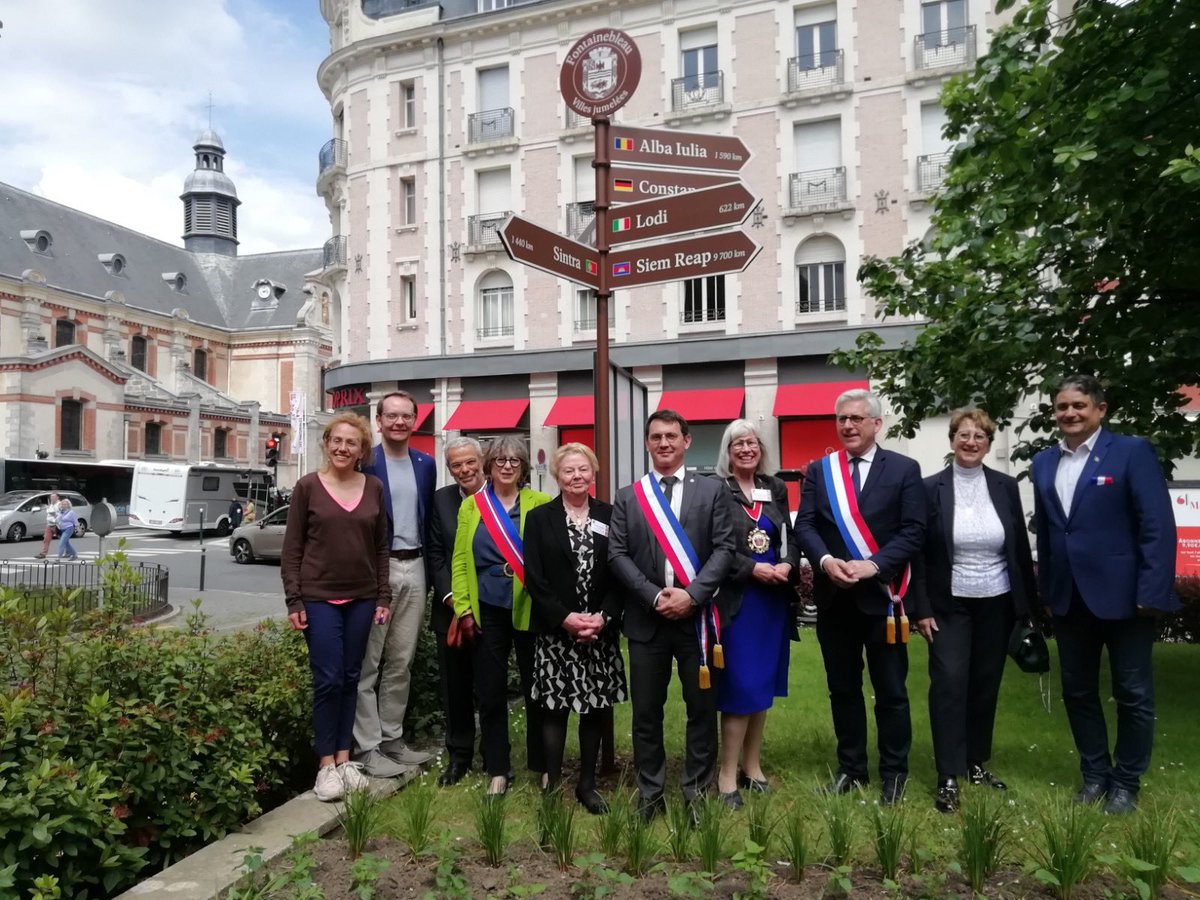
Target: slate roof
{"type": "Point", "coordinates": [220, 289]}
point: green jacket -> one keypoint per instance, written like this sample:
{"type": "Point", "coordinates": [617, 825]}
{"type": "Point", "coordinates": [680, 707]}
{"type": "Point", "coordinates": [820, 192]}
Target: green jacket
{"type": "Point", "coordinates": [464, 581]}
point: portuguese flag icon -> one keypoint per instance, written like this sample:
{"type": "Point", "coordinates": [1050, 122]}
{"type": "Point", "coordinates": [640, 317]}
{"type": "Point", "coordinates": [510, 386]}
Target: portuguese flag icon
{"type": "Point", "coordinates": [622, 224]}
{"type": "Point", "coordinates": [590, 267]}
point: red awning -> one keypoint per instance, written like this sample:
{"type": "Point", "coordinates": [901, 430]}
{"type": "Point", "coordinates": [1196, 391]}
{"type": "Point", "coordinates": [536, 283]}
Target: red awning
{"type": "Point", "coordinates": [1192, 393]}
{"type": "Point", "coordinates": [711, 405]}
{"type": "Point", "coordinates": [487, 415]}
{"type": "Point", "coordinates": [423, 411]}
{"type": "Point", "coordinates": [568, 411]}
{"type": "Point", "coordinates": [814, 399]}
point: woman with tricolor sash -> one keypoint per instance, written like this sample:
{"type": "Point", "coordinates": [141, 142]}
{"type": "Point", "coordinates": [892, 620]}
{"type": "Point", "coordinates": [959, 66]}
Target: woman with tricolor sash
{"type": "Point", "coordinates": [493, 605]}
{"type": "Point", "coordinates": [758, 600]}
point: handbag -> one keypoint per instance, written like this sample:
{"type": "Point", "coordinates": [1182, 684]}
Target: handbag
{"type": "Point", "coordinates": [1027, 647]}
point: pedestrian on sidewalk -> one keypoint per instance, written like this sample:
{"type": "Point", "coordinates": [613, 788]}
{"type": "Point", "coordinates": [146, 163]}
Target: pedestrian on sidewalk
{"type": "Point", "coordinates": [68, 521]}
{"type": "Point", "coordinates": [51, 526]}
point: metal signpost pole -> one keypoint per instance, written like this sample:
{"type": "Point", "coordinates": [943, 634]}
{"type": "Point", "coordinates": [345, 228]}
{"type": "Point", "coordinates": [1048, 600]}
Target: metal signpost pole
{"type": "Point", "coordinates": [603, 292]}
{"type": "Point", "coordinates": [202, 548]}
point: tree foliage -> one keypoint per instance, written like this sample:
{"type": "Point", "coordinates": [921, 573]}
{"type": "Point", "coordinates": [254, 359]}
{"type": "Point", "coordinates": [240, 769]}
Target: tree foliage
{"type": "Point", "coordinates": [1067, 235]}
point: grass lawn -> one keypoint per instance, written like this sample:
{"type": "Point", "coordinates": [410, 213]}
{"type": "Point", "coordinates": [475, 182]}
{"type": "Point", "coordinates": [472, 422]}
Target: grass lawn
{"type": "Point", "coordinates": [1033, 753]}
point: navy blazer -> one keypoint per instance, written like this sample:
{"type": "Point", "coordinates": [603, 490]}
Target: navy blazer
{"type": "Point", "coordinates": [892, 501]}
{"type": "Point", "coordinates": [425, 472]}
{"type": "Point", "coordinates": [1117, 546]}
{"type": "Point", "coordinates": [939, 540]}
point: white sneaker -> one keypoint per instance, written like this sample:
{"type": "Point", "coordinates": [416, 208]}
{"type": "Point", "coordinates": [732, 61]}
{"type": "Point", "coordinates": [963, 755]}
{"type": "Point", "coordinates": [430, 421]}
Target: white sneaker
{"type": "Point", "coordinates": [329, 786]}
{"type": "Point", "coordinates": [352, 777]}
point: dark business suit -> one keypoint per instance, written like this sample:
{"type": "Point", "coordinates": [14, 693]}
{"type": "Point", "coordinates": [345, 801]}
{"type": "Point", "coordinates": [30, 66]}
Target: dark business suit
{"type": "Point", "coordinates": [966, 658]}
{"type": "Point", "coordinates": [454, 663]}
{"type": "Point", "coordinates": [1111, 554]}
{"type": "Point", "coordinates": [638, 564]}
{"type": "Point", "coordinates": [851, 620]}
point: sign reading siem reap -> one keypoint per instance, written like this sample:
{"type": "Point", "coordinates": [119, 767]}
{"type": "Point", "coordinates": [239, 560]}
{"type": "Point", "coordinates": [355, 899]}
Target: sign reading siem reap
{"type": "Point", "coordinates": [600, 73]}
{"type": "Point", "coordinates": [677, 149]}
{"type": "Point", "coordinates": [715, 207]}
{"type": "Point", "coordinates": [629, 185]}
{"type": "Point", "coordinates": [542, 249]}
{"type": "Point", "coordinates": [715, 254]}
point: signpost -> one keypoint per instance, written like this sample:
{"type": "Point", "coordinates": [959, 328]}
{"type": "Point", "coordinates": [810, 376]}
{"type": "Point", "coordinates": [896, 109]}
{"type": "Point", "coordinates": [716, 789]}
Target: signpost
{"type": "Point", "coordinates": [542, 249]}
{"type": "Point", "coordinates": [716, 207]}
{"type": "Point", "coordinates": [678, 149]}
{"type": "Point", "coordinates": [629, 185]}
{"type": "Point", "coordinates": [716, 254]}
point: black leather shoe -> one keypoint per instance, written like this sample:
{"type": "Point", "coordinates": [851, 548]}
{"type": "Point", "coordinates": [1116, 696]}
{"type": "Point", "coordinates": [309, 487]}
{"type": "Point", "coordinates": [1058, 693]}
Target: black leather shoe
{"type": "Point", "coordinates": [946, 798]}
{"type": "Point", "coordinates": [590, 799]}
{"type": "Point", "coordinates": [842, 784]}
{"type": "Point", "coordinates": [893, 791]}
{"type": "Point", "coordinates": [453, 773]}
{"type": "Point", "coordinates": [977, 774]}
{"type": "Point", "coordinates": [649, 807]}
{"type": "Point", "coordinates": [1121, 802]}
{"type": "Point", "coordinates": [732, 799]}
{"type": "Point", "coordinates": [1092, 792]}
{"type": "Point", "coordinates": [754, 785]}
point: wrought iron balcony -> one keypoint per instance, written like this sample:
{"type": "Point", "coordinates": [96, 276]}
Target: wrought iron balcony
{"type": "Point", "coordinates": [498, 331]}
{"type": "Point", "coordinates": [707, 314]}
{"type": "Point", "coordinates": [332, 155]}
{"type": "Point", "coordinates": [691, 91]}
{"type": "Point", "coordinates": [816, 71]}
{"type": "Point", "coordinates": [817, 189]}
{"type": "Point", "coordinates": [484, 230]}
{"type": "Point", "coordinates": [805, 306]}
{"type": "Point", "coordinates": [579, 217]}
{"type": "Point", "coordinates": [941, 49]}
{"type": "Point", "coordinates": [931, 171]}
{"type": "Point", "coordinates": [335, 252]}
{"type": "Point", "coordinates": [490, 125]}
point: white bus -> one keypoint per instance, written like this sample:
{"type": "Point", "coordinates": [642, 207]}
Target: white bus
{"type": "Point", "coordinates": [172, 497]}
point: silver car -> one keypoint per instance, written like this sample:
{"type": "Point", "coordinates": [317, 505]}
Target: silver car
{"type": "Point", "coordinates": [261, 539]}
{"type": "Point", "coordinates": [23, 513]}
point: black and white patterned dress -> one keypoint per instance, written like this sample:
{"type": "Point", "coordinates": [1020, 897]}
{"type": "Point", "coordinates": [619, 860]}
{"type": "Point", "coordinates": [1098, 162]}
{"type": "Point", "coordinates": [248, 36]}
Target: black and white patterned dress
{"type": "Point", "coordinates": [577, 677]}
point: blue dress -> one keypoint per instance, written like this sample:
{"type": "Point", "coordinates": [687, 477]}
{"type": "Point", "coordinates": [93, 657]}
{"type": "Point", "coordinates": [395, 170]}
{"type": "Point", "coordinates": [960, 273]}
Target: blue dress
{"type": "Point", "coordinates": [757, 643]}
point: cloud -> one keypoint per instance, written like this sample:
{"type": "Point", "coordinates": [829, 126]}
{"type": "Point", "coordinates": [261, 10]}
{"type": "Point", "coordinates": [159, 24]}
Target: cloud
{"type": "Point", "coordinates": [103, 101]}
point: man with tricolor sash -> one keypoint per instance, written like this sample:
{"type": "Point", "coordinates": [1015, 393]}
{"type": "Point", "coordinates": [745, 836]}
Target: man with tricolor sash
{"type": "Point", "coordinates": [670, 547]}
{"type": "Point", "coordinates": [861, 521]}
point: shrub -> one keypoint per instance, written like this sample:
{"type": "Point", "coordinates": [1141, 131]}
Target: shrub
{"type": "Point", "coordinates": [1184, 626]}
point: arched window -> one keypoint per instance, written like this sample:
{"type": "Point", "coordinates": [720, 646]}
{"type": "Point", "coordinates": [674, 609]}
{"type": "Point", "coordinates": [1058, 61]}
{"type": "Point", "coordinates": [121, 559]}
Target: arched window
{"type": "Point", "coordinates": [64, 332]}
{"type": "Point", "coordinates": [137, 352]}
{"type": "Point", "coordinates": [495, 312]}
{"type": "Point", "coordinates": [820, 276]}
{"type": "Point", "coordinates": [200, 364]}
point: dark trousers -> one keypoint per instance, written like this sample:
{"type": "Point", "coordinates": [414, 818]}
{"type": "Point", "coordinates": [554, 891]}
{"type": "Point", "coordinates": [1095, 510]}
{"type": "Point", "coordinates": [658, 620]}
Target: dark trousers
{"type": "Point", "coordinates": [1081, 636]}
{"type": "Point", "coordinates": [844, 634]}
{"type": "Point", "coordinates": [649, 677]}
{"type": "Point", "coordinates": [966, 665]}
{"type": "Point", "coordinates": [497, 640]}
{"type": "Point", "coordinates": [337, 639]}
{"type": "Point", "coordinates": [457, 672]}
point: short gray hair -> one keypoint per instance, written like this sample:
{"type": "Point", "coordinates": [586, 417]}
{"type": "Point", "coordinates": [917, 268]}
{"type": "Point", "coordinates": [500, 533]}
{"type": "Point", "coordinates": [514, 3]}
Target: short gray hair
{"type": "Point", "coordinates": [507, 445]}
{"type": "Point", "coordinates": [457, 443]}
{"type": "Point", "coordinates": [736, 429]}
{"type": "Point", "coordinates": [874, 407]}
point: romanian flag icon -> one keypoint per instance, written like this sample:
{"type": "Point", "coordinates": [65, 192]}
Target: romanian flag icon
{"type": "Point", "coordinates": [622, 143]}
{"type": "Point", "coordinates": [624, 185]}
{"type": "Point", "coordinates": [590, 267]}
{"type": "Point", "coordinates": [621, 268]}
{"type": "Point", "coordinates": [622, 224]}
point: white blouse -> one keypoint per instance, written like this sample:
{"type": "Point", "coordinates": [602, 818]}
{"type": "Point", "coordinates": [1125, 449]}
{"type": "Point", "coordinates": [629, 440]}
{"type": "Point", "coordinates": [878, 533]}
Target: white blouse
{"type": "Point", "coordinates": [979, 568]}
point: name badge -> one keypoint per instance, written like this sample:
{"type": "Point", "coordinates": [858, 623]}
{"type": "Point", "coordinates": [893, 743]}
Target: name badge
{"type": "Point", "coordinates": [599, 528]}
{"type": "Point", "coordinates": [760, 494]}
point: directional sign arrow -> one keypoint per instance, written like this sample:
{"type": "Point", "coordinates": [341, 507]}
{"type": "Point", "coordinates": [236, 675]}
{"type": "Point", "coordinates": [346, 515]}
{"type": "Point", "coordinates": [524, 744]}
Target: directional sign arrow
{"type": "Point", "coordinates": [714, 254]}
{"type": "Point", "coordinates": [629, 185]}
{"type": "Point", "coordinates": [715, 207]}
{"type": "Point", "coordinates": [677, 149]}
{"type": "Point", "coordinates": [542, 249]}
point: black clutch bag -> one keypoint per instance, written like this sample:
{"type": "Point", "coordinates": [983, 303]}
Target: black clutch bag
{"type": "Point", "coordinates": [1027, 647]}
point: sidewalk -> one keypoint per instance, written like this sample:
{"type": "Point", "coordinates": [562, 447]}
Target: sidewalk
{"type": "Point", "coordinates": [226, 610]}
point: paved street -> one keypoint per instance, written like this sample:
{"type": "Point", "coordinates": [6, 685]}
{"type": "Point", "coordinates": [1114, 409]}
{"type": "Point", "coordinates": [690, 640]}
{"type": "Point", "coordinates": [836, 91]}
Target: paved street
{"type": "Point", "coordinates": [234, 596]}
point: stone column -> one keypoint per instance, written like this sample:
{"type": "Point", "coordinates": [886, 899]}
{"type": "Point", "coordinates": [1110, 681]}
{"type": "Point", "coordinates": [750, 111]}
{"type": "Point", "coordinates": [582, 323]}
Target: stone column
{"type": "Point", "coordinates": [193, 433]}
{"type": "Point", "coordinates": [256, 439]}
{"type": "Point", "coordinates": [762, 380]}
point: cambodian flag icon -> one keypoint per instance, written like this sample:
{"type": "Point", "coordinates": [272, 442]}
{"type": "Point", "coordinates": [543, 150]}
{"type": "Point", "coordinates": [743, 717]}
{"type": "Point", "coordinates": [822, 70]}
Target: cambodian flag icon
{"type": "Point", "coordinates": [621, 268]}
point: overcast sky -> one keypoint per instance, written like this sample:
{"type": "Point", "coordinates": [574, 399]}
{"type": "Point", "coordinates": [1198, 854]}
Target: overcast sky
{"type": "Point", "coordinates": [102, 100]}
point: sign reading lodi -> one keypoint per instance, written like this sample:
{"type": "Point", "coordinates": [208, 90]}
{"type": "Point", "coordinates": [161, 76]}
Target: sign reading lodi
{"type": "Point", "coordinates": [600, 73]}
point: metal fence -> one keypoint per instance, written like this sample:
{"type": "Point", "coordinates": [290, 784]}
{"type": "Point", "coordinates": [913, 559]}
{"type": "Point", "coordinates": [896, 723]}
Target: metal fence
{"type": "Point", "coordinates": [52, 585]}
{"type": "Point", "coordinates": [490, 125]}
{"type": "Point", "coordinates": [332, 154]}
{"type": "Point", "coordinates": [817, 189]}
{"type": "Point", "coordinates": [704, 89]}
{"type": "Point", "coordinates": [334, 252]}
{"type": "Point", "coordinates": [815, 71]}
{"type": "Point", "coordinates": [938, 49]}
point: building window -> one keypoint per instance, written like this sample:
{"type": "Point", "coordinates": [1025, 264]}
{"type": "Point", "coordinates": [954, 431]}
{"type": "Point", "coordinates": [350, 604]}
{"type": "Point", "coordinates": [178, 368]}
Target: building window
{"type": "Point", "coordinates": [408, 201]}
{"type": "Point", "coordinates": [585, 310]}
{"type": "Point", "coordinates": [490, 5]}
{"type": "Point", "coordinates": [943, 21]}
{"type": "Point", "coordinates": [495, 306]}
{"type": "Point", "coordinates": [71, 425]}
{"type": "Point", "coordinates": [64, 333]}
{"type": "Point", "coordinates": [704, 299]}
{"type": "Point", "coordinates": [137, 352]}
{"type": "Point", "coordinates": [820, 276]}
{"type": "Point", "coordinates": [698, 63]}
{"type": "Point", "coordinates": [408, 105]}
{"type": "Point", "coordinates": [816, 37]}
{"type": "Point", "coordinates": [408, 297]}
{"type": "Point", "coordinates": [153, 440]}
{"type": "Point", "coordinates": [200, 364]}
{"type": "Point", "coordinates": [221, 443]}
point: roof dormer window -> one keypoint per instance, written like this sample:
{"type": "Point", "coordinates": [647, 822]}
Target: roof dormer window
{"type": "Point", "coordinates": [177, 281]}
{"type": "Point", "coordinates": [114, 262]}
{"type": "Point", "coordinates": [268, 291]}
{"type": "Point", "coordinates": [38, 240]}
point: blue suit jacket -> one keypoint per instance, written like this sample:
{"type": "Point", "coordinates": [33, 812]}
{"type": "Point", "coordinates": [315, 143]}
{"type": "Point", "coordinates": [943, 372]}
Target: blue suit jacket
{"type": "Point", "coordinates": [425, 471]}
{"type": "Point", "coordinates": [1117, 546]}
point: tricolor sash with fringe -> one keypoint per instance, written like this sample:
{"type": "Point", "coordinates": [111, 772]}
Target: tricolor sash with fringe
{"type": "Point", "coordinates": [856, 534]}
{"type": "Point", "coordinates": [503, 532]}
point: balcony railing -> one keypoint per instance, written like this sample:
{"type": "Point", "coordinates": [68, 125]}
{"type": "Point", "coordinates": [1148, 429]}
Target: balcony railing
{"type": "Point", "coordinates": [709, 314]}
{"type": "Point", "coordinates": [497, 331]}
{"type": "Point", "coordinates": [335, 252]}
{"type": "Point", "coordinates": [691, 91]}
{"type": "Point", "coordinates": [827, 305]}
{"type": "Point", "coordinates": [579, 217]}
{"type": "Point", "coordinates": [484, 230]}
{"type": "Point", "coordinates": [940, 49]}
{"type": "Point", "coordinates": [490, 125]}
{"type": "Point", "coordinates": [817, 189]}
{"type": "Point", "coordinates": [931, 171]}
{"type": "Point", "coordinates": [816, 71]}
{"type": "Point", "coordinates": [331, 155]}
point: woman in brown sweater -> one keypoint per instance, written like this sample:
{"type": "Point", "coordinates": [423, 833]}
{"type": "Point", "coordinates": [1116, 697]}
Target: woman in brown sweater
{"type": "Point", "coordinates": [335, 580]}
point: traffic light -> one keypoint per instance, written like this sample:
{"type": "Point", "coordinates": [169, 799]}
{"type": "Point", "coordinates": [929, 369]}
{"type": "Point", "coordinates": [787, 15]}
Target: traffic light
{"type": "Point", "coordinates": [273, 451]}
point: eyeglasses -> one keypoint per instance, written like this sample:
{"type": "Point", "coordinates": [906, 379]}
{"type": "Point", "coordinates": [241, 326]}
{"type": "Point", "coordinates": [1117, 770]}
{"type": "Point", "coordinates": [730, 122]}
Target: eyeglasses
{"type": "Point", "coordinates": [853, 420]}
{"type": "Point", "coordinates": [510, 462]}
{"type": "Point", "coordinates": [392, 417]}
{"type": "Point", "coordinates": [977, 437]}
{"type": "Point", "coordinates": [745, 444]}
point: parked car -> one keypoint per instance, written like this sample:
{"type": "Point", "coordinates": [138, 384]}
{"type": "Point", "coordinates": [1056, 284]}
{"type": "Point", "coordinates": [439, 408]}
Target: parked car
{"type": "Point", "coordinates": [260, 539]}
{"type": "Point", "coordinates": [23, 513]}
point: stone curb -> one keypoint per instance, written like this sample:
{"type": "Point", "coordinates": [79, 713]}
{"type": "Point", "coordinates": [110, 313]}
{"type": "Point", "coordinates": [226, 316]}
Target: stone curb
{"type": "Point", "coordinates": [214, 869]}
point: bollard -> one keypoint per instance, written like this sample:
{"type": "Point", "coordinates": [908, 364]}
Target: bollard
{"type": "Point", "coordinates": [203, 549]}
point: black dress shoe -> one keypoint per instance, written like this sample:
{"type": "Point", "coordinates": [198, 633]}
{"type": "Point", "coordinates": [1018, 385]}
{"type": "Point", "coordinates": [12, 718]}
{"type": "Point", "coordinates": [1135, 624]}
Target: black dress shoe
{"type": "Point", "coordinates": [649, 807]}
{"type": "Point", "coordinates": [732, 799]}
{"type": "Point", "coordinates": [893, 791]}
{"type": "Point", "coordinates": [946, 798]}
{"type": "Point", "coordinates": [754, 785]}
{"type": "Point", "coordinates": [843, 784]}
{"type": "Point", "coordinates": [1121, 802]}
{"type": "Point", "coordinates": [590, 799]}
{"type": "Point", "coordinates": [977, 774]}
{"type": "Point", "coordinates": [1092, 792]}
{"type": "Point", "coordinates": [453, 773]}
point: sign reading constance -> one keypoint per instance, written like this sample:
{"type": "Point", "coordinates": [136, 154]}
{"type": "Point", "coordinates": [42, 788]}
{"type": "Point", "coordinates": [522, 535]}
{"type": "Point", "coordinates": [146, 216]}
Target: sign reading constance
{"type": "Point", "coordinates": [600, 73]}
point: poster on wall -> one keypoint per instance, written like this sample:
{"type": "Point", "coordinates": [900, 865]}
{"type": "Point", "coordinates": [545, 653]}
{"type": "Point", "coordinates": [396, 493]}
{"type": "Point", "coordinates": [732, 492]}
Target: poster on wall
{"type": "Point", "coordinates": [1185, 500]}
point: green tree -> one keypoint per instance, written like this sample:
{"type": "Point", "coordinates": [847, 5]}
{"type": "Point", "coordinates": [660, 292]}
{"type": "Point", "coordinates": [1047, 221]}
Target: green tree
{"type": "Point", "coordinates": [1067, 235]}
